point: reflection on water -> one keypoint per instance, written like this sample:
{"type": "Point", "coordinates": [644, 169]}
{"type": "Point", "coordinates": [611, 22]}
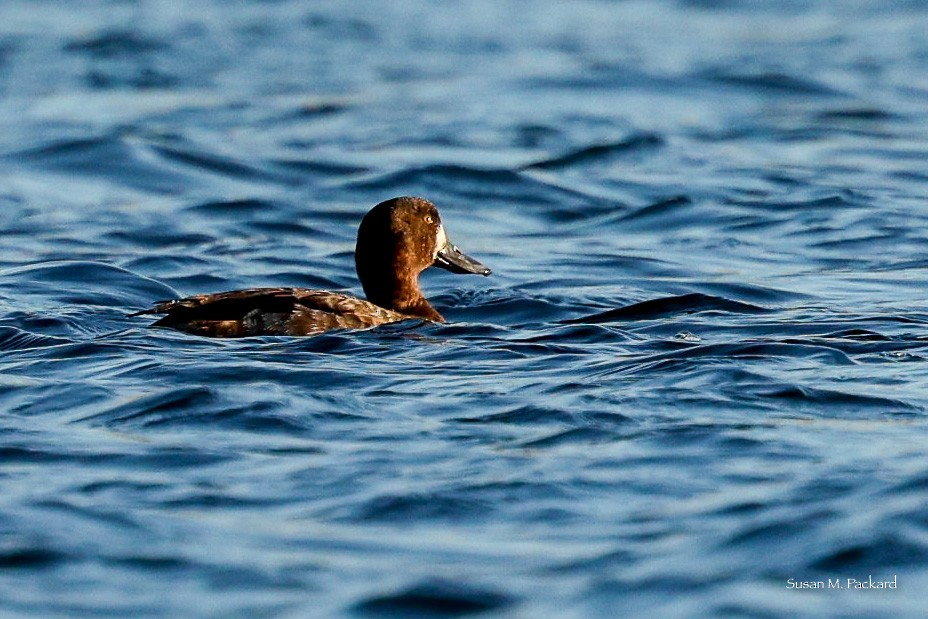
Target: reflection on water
{"type": "Point", "coordinates": [695, 373]}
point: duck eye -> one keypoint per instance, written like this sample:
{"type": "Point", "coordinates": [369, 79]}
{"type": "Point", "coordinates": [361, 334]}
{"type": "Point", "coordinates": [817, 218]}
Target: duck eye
{"type": "Point", "coordinates": [428, 219]}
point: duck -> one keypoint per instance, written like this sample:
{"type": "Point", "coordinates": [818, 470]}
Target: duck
{"type": "Point", "coordinates": [398, 239]}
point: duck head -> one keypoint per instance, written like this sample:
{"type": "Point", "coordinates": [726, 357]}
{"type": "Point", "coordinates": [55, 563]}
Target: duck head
{"type": "Point", "coordinates": [397, 240]}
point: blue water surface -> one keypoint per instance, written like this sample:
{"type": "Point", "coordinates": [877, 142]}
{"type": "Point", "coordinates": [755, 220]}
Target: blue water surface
{"type": "Point", "coordinates": [699, 370]}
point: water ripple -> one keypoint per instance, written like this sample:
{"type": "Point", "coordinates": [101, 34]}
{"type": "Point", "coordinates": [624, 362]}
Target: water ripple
{"type": "Point", "coordinates": [698, 370]}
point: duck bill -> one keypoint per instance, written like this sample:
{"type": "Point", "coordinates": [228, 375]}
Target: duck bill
{"type": "Point", "coordinates": [453, 259]}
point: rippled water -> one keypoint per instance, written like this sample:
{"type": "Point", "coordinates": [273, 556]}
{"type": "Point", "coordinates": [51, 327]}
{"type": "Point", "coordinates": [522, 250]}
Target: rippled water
{"type": "Point", "coordinates": [698, 371]}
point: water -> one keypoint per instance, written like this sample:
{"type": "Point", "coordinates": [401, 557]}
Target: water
{"type": "Point", "coordinates": [698, 371]}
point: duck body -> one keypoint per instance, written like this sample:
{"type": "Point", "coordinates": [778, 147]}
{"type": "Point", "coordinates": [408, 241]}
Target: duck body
{"type": "Point", "coordinates": [270, 311]}
{"type": "Point", "coordinates": [397, 240]}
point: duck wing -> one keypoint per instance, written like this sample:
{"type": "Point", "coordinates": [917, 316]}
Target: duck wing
{"type": "Point", "coordinates": [269, 311]}
{"type": "Point", "coordinates": [225, 305]}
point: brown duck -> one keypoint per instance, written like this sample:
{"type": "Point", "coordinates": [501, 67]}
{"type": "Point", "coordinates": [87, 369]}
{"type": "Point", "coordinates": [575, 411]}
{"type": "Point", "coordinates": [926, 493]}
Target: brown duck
{"type": "Point", "coordinates": [397, 240]}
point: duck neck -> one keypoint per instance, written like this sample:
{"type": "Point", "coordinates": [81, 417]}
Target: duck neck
{"type": "Point", "coordinates": [403, 296]}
